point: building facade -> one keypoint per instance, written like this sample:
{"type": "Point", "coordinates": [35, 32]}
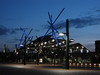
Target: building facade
{"type": "Point", "coordinates": [97, 46]}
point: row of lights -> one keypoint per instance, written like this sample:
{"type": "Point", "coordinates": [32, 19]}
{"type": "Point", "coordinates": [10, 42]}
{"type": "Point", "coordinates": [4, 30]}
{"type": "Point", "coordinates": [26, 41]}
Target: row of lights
{"type": "Point", "coordinates": [85, 64]}
{"type": "Point", "coordinates": [45, 43]}
{"type": "Point", "coordinates": [81, 50]}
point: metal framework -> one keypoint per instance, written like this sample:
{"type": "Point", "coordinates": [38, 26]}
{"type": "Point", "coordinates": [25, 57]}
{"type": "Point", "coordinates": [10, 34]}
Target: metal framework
{"type": "Point", "coordinates": [52, 28]}
{"type": "Point", "coordinates": [25, 36]}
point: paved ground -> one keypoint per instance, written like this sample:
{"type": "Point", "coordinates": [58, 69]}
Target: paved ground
{"type": "Point", "coordinates": [20, 69]}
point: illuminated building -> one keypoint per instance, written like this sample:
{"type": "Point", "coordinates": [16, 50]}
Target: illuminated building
{"type": "Point", "coordinates": [49, 50]}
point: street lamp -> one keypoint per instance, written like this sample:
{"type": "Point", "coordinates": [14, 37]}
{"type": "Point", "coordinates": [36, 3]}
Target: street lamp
{"type": "Point", "coordinates": [67, 43]}
{"type": "Point", "coordinates": [62, 34]}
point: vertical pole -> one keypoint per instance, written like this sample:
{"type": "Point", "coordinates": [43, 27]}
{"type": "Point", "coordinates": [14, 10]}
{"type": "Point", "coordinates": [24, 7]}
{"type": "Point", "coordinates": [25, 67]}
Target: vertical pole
{"type": "Point", "coordinates": [38, 57]}
{"type": "Point", "coordinates": [25, 51]}
{"type": "Point", "coordinates": [16, 53]}
{"type": "Point", "coordinates": [67, 44]}
{"type": "Point", "coordinates": [54, 58]}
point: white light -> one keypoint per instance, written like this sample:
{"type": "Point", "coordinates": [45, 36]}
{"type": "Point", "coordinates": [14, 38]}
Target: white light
{"type": "Point", "coordinates": [59, 43]}
{"type": "Point", "coordinates": [53, 40]}
{"type": "Point", "coordinates": [31, 42]}
{"type": "Point", "coordinates": [16, 52]}
{"type": "Point", "coordinates": [26, 51]}
{"type": "Point", "coordinates": [61, 34]}
{"type": "Point", "coordinates": [28, 48]}
{"type": "Point", "coordinates": [45, 42]}
{"type": "Point", "coordinates": [41, 43]}
{"type": "Point", "coordinates": [4, 51]}
{"type": "Point", "coordinates": [63, 42]}
{"type": "Point", "coordinates": [41, 60]}
{"type": "Point", "coordinates": [94, 64]}
{"type": "Point", "coordinates": [52, 45]}
{"type": "Point", "coordinates": [21, 45]}
{"type": "Point", "coordinates": [52, 52]}
{"type": "Point", "coordinates": [90, 64]}
{"type": "Point", "coordinates": [82, 46]}
{"type": "Point", "coordinates": [87, 51]}
{"type": "Point", "coordinates": [70, 50]}
{"type": "Point", "coordinates": [81, 50]}
{"type": "Point", "coordinates": [77, 47]}
{"type": "Point", "coordinates": [71, 40]}
{"type": "Point", "coordinates": [44, 46]}
{"type": "Point", "coordinates": [56, 44]}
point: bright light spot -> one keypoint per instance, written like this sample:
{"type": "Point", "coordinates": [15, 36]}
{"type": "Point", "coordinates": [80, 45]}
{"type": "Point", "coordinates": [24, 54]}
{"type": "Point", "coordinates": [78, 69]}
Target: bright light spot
{"type": "Point", "coordinates": [26, 51]}
{"type": "Point", "coordinates": [16, 52]}
{"type": "Point", "coordinates": [31, 42]}
{"type": "Point", "coordinates": [44, 46]}
{"type": "Point", "coordinates": [41, 43]}
{"type": "Point", "coordinates": [82, 46]}
{"type": "Point", "coordinates": [71, 40]}
{"type": "Point", "coordinates": [41, 60]}
{"type": "Point", "coordinates": [56, 44]}
{"type": "Point", "coordinates": [28, 48]}
{"type": "Point", "coordinates": [70, 50]}
{"type": "Point", "coordinates": [52, 52]}
{"type": "Point", "coordinates": [90, 64]}
{"type": "Point", "coordinates": [53, 40]}
{"type": "Point", "coordinates": [21, 45]}
{"type": "Point", "coordinates": [94, 64]}
{"type": "Point", "coordinates": [87, 51]}
{"type": "Point", "coordinates": [45, 42]}
{"type": "Point", "coordinates": [18, 66]}
{"type": "Point", "coordinates": [59, 43]}
{"type": "Point", "coordinates": [61, 34]}
{"type": "Point", "coordinates": [52, 45]}
{"type": "Point", "coordinates": [4, 51]}
{"type": "Point", "coordinates": [77, 47]}
{"type": "Point", "coordinates": [63, 42]}
{"type": "Point", "coordinates": [81, 50]}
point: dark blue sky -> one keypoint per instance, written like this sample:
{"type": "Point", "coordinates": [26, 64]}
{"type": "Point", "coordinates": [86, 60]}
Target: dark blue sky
{"type": "Point", "coordinates": [84, 16]}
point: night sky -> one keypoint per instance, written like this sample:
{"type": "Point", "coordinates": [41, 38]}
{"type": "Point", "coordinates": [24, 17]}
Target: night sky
{"type": "Point", "coordinates": [84, 17]}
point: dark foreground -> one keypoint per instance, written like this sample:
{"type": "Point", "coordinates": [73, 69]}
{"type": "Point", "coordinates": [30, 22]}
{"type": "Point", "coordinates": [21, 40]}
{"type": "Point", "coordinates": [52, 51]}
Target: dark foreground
{"type": "Point", "coordinates": [18, 69]}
